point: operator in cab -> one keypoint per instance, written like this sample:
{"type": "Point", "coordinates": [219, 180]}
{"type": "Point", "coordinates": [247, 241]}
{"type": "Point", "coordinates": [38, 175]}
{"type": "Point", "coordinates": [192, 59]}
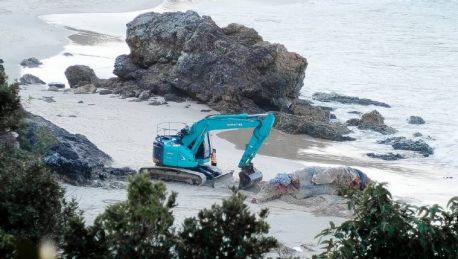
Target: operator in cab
{"type": "Point", "coordinates": [213, 158]}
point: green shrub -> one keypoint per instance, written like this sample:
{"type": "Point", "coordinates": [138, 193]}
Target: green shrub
{"type": "Point", "coordinates": [383, 228]}
{"type": "Point", "coordinates": [11, 111]}
{"type": "Point", "coordinates": [229, 230]}
{"type": "Point", "coordinates": [140, 227]}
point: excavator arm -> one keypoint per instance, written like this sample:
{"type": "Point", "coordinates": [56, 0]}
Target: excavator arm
{"type": "Point", "coordinates": [262, 124]}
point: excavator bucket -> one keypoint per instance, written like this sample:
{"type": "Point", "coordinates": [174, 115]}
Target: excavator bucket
{"type": "Point", "coordinates": [249, 176]}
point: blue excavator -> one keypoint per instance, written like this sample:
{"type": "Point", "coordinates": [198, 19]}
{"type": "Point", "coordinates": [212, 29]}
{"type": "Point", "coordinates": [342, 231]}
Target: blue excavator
{"type": "Point", "coordinates": [184, 155]}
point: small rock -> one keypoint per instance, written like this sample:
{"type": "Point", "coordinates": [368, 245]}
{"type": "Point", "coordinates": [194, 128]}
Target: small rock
{"type": "Point", "coordinates": [144, 95]}
{"type": "Point", "coordinates": [173, 98]}
{"type": "Point", "coordinates": [80, 102]}
{"type": "Point", "coordinates": [48, 99]}
{"type": "Point", "coordinates": [416, 120]}
{"type": "Point", "coordinates": [1, 61]}
{"type": "Point", "coordinates": [67, 54]}
{"type": "Point", "coordinates": [31, 62]}
{"type": "Point", "coordinates": [156, 102]}
{"type": "Point", "coordinates": [205, 110]}
{"type": "Point", "coordinates": [187, 106]}
{"type": "Point", "coordinates": [332, 116]}
{"type": "Point", "coordinates": [85, 89]}
{"type": "Point", "coordinates": [402, 143]}
{"type": "Point", "coordinates": [417, 134]}
{"type": "Point", "coordinates": [53, 88]}
{"type": "Point", "coordinates": [57, 85]}
{"type": "Point", "coordinates": [29, 79]}
{"type": "Point", "coordinates": [105, 91]}
{"type": "Point", "coordinates": [72, 116]}
{"type": "Point", "coordinates": [389, 156]}
{"type": "Point", "coordinates": [334, 97]}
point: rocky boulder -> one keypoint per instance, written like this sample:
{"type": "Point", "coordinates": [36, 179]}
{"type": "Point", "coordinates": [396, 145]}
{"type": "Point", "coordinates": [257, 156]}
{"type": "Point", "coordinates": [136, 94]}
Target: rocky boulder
{"type": "Point", "coordinates": [372, 121]}
{"type": "Point", "coordinates": [72, 156]}
{"type": "Point", "coordinates": [232, 69]}
{"type": "Point", "coordinates": [29, 79]}
{"type": "Point", "coordinates": [295, 124]}
{"type": "Point", "coordinates": [80, 75]}
{"type": "Point", "coordinates": [416, 120]}
{"type": "Point", "coordinates": [31, 62]}
{"type": "Point", "coordinates": [333, 97]}
{"type": "Point", "coordinates": [57, 85]}
{"type": "Point", "coordinates": [402, 143]}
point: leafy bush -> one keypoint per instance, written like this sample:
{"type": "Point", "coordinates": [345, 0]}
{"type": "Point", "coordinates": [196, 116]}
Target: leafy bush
{"type": "Point", "coordinates": [11, 111]}
{"type": "Point", "coordinates": [32, 204]}
{"type": "Point", "coordinates": [229, 230]}
{"type": "Point", "coordinates": [140, 227]}
{"type": "Point", "coordinates": [383, 228]}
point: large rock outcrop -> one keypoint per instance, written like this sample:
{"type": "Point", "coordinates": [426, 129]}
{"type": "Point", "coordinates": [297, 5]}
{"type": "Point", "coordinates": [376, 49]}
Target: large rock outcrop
{"type": "Point", "coordinates": [72, 156]}
{"type": "Point", "coordinates": [232, 69]}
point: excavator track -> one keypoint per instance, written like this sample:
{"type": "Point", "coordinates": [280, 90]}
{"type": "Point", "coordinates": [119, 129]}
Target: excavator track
{"type": "Point", "coordinates": [172, 174]}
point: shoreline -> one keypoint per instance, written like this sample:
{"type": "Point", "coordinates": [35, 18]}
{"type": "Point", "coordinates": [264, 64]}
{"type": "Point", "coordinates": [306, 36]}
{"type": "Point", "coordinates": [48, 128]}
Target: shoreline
{"type": "Point", "coordinates": [25, 34]}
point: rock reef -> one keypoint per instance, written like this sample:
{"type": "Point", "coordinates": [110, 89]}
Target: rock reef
{"type": "Point", "coordinates": [372, 121]}
{"type": "Point", "coordinates": [402, 143]}
{"type": "Point", "coordinates": [333, 97]}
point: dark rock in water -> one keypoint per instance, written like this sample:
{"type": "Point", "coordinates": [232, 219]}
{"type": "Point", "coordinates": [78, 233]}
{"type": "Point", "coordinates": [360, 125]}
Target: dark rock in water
{"type": "Point", "coordinates": [1, 61]}
{"type": "Point", "coordinates": [416, 120]}
{"type": "Point", "coordinates": [57, 85]}
{"type": "Point", "coordinates": [67, 54]}
{"type": "Point", "coordinates": [232, 69]}
{"type": "Point", "coordinates": [85, 89]}
{"type": "Point", "coordinates": [105, 92]}
{"type": "Point", "coordinates": [80, 75]}
{"type": "Point", "coordinates": [332, 116]}
{"type": "Point", "coordinates": [333, 97]}
{"type": "Point", "coordinates": [73, 156]}
{"type": "Point", "coordinates": [31, 62]}
{"type": "Point", "coordinates": [372, 121]}
{"type": "Point", "coordinates": [417, 134]}
{"type": "Point", "coordinates": [389, 156]}
{"type": "Point", "coordinates": [205, 110]}
{"type": "Point", "coordinates": [29, 79]}
{"type": "Point", "coordinates": [355, 112]}
{"type": "Point", "coordinates": [295, 124]}
{"type": "Point", "coordinates": [402, 143]}
{"type": "Point", "coordinates": [80, 102]}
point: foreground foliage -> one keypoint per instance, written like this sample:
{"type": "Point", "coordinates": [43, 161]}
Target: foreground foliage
{"type": "Point", "coordinates": [11, 111]}
{"type": "Point", "coordinates": [142, 227]}
{"type": "Point", "coordinates": [383, 228]}
{"type": "Point", "coordinates": [229, 230]}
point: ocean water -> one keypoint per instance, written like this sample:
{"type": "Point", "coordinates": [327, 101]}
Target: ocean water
{"type": "Point", "coordinates": [404, 53]}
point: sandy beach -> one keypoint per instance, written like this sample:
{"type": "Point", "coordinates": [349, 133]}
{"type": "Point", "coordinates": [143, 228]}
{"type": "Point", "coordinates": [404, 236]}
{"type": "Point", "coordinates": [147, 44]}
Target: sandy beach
{"type": "Point", "coordinates": [93, 32]}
